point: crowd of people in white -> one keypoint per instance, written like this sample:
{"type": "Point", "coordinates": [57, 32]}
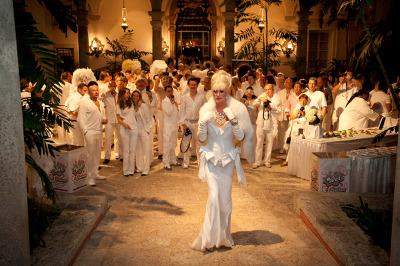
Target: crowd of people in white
{"type": "Point", "coordinates": [135, 107]}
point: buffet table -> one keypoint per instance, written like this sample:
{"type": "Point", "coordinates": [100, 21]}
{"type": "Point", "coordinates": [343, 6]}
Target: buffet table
{"type": "Point", "coordinates": [301, 149]}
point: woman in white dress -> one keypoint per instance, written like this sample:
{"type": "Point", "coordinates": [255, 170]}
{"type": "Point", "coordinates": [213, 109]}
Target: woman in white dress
{"type": "Point", "coordinates": [222, 119]}
{"type": "Point", "coordinates": [128, 129]}
{"type": "Point", "coordinates": [145, 125]}
{"type": "Point", "coordinates": [357, 112]}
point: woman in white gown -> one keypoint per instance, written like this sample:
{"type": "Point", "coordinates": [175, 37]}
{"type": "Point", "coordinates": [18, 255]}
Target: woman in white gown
{"type": "Point", "coordinates": [222, 119]}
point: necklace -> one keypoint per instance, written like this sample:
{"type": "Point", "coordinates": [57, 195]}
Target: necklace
{"type": "Point", "coordinates": [220, 118]}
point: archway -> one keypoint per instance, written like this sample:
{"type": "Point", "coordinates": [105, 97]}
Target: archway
{"type": "Point", "coordinates": [192, 28]}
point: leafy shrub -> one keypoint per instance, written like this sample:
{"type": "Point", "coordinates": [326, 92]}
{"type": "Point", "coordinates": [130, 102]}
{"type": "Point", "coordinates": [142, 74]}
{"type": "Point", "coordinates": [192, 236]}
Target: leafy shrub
{"type": "Point", "coordinates": [377, 224]}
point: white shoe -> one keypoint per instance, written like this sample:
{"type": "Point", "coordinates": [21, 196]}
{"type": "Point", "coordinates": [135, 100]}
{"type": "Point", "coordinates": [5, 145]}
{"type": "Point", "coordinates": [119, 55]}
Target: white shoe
{"type": "Point", "coordinates": [99, 177]}
{"type": "Point", "coordinates": [255, 166]}
{"type": "Point", "coordinates": [185, 166]}
{"type": "Point", "coordinates": [92, 182]}
{"type": "Point", "coordinates": [268, 165]}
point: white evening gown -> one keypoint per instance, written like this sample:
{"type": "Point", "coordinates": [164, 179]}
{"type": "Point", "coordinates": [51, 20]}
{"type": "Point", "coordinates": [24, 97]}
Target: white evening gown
{"type": "Point", "coordinates": [217, 161]}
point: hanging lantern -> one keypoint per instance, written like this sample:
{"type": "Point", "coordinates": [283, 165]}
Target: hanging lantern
{"type": "Point", "coordinates": [124, 25]}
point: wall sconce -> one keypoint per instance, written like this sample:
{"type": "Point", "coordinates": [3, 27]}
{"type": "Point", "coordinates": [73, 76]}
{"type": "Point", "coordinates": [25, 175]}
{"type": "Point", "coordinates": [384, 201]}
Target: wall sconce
{"type": "Point", "coordinates": [124, 25]}
{"type": "Point", "coordinates": [221, 47]}
{"type": "Point", "coordinates": [96, 47]}
{"type": "Point", "coordinates": [288, 48]}
{"type": "Point", "coordinates": [165, 47]}
{"type": "Point", "coordinates": [261, 24]}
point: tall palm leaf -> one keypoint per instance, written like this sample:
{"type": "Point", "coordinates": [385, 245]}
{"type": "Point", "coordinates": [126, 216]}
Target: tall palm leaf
{"type": "Point", "coordinates": [359, 7]}
{"type": "Point", "coordinates": [39, 63]}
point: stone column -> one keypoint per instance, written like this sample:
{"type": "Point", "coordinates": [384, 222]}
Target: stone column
{"type": "Point", "coordinates": [394, 251]}
{"type": "Point", "coordinates": [229, 36]}
{"type": "Point", "coordinates": [213, 36]}
{"type": "Point", "coordinates": [83, 37]}
{"type": "Point", "coordinates": [301, 55]}
{"type": "Point", "coordinates": [14, 240]}
{"type": "Point", "coordinates": [172, 38]}
{"type": "Point", "coordinates": [157, 36]}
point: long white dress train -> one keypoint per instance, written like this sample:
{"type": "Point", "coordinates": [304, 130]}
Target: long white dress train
{"type": "Point", "coordinates": [217, 161]}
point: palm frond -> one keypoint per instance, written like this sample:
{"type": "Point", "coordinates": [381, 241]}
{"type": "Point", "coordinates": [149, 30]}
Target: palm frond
{"type": "Point", "coordinates": [46, 183]}
{"type": "Point", "coordinates": [62, 13]}
{"type": "Point", "coordinates": [244, 34]}
{"type": "Point", "coordinates": [284, 34]}
{"type": "Point", "coordinates": [381, 32]}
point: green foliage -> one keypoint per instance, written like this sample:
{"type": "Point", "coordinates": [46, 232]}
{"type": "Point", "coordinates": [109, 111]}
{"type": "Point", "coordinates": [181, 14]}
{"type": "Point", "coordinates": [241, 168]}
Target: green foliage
{"type": "Point", "coordinates": [120, 51]}
{"type": "Point", "coordinates": [256, 46]}
{"type": "Point", "coordinates": [377, 224]}
{"type": "Point", "coordinates": [266, 56]}
{"type": "Point", "coordinates": [46, 183]}
{"type": "Point", "coordinates": [381, 135]}
{"type": "Point", "coordinates": [38, 63]}
{"type": "Point", "coordinates": [62, 13]}
{"type": "Point", "coordinates": [41, 216]}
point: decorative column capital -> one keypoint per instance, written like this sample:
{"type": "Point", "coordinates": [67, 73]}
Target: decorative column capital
{"type": "Point", "coordinates": [303, 17]}
{"type": "Point", "coordinates": [171, 23]}
{"type": "Point", "coordinates": [229, 15]}
{"type": "Point", "coordinates": [82, 15]}
{"type": "Point", "coordinates": [156, 15]}
{"type": "Point", "coordinates": [157, 24]}
{"type": "Point", "coordinates": [214, 23]}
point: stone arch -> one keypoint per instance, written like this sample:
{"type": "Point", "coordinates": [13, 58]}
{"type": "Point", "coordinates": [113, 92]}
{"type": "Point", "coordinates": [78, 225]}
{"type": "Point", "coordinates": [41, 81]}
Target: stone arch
{"type": "Point", "coordinates": [172, 19]}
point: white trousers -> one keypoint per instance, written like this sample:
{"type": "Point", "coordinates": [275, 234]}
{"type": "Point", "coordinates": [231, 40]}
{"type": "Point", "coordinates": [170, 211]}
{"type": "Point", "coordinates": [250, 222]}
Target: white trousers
{"type": "Point", "coordinates": [170, 140]}
{"type": "Point", "coordinates": [269, 138]}
{"type": "Point", "coordinates": [110, 130]}
{"type": "Point", "coordinates": [75, 136]}
{"type": "Point", "coordinates": [194, 144]}
{"type": "Point", "coordinates": [143, 153]}
{"type": "Point", "coordinates": [93, 144]}
{"type": "Point", "coordinates": [129, 139]}
{"type": "Point", "coordinates": [327, 122]}
{"type": "Point", "coordinates": [280, 140]}
{"type": "Point", "coordinates": [160, 129]}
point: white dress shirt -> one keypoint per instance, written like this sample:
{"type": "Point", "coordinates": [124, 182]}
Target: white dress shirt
{"type": "Point", "coordinates": [189, 109]}
{"type": "Point", "coordinates": [110, 105]}
{"type": "Point", "coordinates": [89, 116]}
{"type": "Point", "coordinates": [317, 99]}
{"type": "Point", "coordinates": [171, 114]}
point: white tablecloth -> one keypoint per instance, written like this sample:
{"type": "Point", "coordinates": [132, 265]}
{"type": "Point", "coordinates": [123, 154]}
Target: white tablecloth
{"type": "Point", "coordinates": [373, 170]}
{"type": "Point", "coordinates": [300, 150]}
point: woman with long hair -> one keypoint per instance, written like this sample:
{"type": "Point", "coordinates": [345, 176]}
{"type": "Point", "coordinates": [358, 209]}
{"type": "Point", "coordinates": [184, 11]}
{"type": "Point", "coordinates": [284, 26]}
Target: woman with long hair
{"type": "Point", "coordinates": [222, 119]}
{"type": "Point", "coordinates": [128, 129]}
{"type": "Point", "coordinates": [357, 112]}
{"type": "Point", "coordinates": [145, 125]}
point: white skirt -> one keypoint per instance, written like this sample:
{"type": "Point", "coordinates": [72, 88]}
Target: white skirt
{"type": "Point", "coordinates": [216, 230]}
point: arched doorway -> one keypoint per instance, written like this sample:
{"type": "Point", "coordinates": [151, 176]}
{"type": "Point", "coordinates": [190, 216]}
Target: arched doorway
{"type": "Point", "coordinates": [192, 28]}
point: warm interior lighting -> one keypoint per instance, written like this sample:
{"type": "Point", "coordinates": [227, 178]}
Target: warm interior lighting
{"type": "Point", "coordinates": [221, 47]}
{"type": "Point", "coordinates": [261, 24]}
{"type": "Point", "coordinates": [165, 47]}
{"type": "Point", "coordinates": [124, 24]}
{"type": "Point", "coordinates": [96, 47]}
{"type": "Point", "coordinates": [288, 48]}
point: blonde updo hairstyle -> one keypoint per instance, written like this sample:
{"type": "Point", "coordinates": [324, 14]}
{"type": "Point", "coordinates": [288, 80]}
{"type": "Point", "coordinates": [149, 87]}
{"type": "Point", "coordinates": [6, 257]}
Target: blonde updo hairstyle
{"type": "Point", "coordinates": [221, 81]}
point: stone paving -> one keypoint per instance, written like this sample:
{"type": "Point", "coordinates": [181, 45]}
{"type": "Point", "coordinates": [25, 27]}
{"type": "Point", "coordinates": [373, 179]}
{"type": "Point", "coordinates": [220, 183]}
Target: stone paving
{"type": "Point", "coordinates": [153, 219]}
